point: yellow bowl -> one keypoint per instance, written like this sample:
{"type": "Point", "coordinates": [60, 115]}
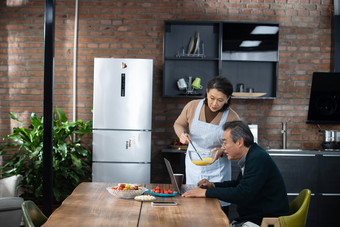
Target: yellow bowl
{"type": "Point", "coordinates": [207, 157]}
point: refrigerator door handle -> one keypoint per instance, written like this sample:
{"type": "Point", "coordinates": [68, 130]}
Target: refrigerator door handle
{"type": "Point", "coordinates": [122, 87]}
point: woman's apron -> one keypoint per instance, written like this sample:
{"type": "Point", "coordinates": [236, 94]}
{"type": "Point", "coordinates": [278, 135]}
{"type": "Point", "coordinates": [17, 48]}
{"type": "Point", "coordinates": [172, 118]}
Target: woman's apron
{"type": "Point", "coordinates": [205, 137]}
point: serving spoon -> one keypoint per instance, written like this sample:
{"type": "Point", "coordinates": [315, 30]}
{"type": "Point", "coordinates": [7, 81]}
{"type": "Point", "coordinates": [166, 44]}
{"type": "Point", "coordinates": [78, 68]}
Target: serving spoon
{"type": "Point", "coordinates": [194, 146]}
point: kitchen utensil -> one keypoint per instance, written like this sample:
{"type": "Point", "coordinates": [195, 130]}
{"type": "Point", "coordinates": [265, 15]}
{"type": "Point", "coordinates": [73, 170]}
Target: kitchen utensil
{"type": "Point", "coordinates": [182, 85]}
{"type": "Point", "coordinates": [190, 89]}
{"type": "Point", "coordinates": [194, 148]}
{"type": "Point", "coordinates": [240, 87]}
{"type": "Point", "coordinates": [197, 83]}
{"type": "Point", "coordinates": [332, 136]}
{"type": "Point", "coordinates": [331, 139]}
{"type": "Point", "coordinates": [201, 158]}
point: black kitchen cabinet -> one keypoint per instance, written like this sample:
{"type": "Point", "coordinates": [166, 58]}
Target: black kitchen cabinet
{"type": "Point", "coordinates": [221, 48]}
{"type": "Point", "coordinates": [329, 174]}
{"type": "Point", "coordinates": [329, 183]}
{"type": "Point", "coordinates": [328, 210]}
{"type": "Point", "coordinates": [299, 171]}
{"type": "Point", "coordinates": [317, 171]}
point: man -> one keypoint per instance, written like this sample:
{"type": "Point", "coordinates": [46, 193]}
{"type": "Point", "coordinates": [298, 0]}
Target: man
{"type": "Point", "coordinates": [259, 191]}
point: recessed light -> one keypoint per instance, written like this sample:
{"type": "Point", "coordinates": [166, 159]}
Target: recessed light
{"type": "Point", "coordinates": [265, 30]}
{"type": "Point", "coordinates": [249, 43]}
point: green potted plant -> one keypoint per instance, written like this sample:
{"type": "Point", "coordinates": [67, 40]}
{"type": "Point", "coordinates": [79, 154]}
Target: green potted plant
{"type": "Point", "coordinates": [71, 159]}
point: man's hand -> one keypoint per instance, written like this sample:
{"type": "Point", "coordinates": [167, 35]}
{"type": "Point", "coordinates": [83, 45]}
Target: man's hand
{"type": "Point", "coordinates": [196, 192]}
{"type": "Point", "coordinates": [205, 184]}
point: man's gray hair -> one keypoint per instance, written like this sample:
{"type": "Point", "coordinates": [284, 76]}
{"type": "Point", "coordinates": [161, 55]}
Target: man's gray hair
{"type": "Point", "coordinates": [239, 129]}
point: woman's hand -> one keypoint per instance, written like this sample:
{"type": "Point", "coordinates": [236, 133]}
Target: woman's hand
{"type": "Point", "coordinates": [218, 153]}
{"type": "Point", "coordinates": [184, 138]}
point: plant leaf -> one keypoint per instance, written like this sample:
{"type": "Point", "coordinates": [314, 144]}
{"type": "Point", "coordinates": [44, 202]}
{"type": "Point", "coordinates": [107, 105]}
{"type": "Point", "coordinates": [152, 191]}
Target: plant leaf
{"type": "Point", "coordinates": [61, 114]}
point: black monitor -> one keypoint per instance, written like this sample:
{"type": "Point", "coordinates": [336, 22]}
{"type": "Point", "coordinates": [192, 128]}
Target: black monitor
{"type": "Point", "coordinates": [324, 102]}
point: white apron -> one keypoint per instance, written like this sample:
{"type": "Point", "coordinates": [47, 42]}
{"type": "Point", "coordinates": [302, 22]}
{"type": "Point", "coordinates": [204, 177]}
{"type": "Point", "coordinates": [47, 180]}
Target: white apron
{"type": "Point", "coordinates": [206, 136]}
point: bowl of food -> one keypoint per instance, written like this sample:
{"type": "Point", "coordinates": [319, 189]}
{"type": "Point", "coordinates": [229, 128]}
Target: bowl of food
{"type": "Point", "coordinates": [201, 158]}
{"type": "Point", "coordinates": [126, 191]}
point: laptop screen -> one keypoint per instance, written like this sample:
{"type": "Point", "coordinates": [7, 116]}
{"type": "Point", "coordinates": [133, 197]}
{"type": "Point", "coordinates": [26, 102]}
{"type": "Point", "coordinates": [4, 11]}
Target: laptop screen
{"type": "Point", "coordinates": [172, 176]}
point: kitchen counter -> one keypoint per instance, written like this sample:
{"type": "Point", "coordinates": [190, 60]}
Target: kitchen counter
{"type": "Point", "coordinates": [275, 151]}
{"type": "Point", "coordinates": [172, 150]}
{"type": "Point", "coordinates": [303, 152]}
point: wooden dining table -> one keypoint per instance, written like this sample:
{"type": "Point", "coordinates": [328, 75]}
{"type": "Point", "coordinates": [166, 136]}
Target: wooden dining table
{"type": "Point", "coordinates": [90, 204]}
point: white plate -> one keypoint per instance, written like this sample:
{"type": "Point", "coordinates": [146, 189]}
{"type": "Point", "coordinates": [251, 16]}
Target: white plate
{"type": "Point", "coordinates": [197, 43]}
{"type": "Point", "coordinates": [191, 45]}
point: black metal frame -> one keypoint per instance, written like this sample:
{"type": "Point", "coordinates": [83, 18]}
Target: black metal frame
{"type": "Point", "coordinates": [48, 106]}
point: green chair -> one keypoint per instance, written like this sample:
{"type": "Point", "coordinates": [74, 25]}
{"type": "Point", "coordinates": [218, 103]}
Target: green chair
{"type": "Point", "coordinates": [33, 217]}
{"type": "Point", "coordinates": [298, 210]}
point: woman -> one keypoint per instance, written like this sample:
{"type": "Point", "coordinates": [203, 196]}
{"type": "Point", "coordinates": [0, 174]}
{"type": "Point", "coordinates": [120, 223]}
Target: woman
{"type": "Point", "coordinates": [202, 121]}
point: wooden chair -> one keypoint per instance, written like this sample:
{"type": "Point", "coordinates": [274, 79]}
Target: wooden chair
{"type": "Point", "coordinates": [298, 210]}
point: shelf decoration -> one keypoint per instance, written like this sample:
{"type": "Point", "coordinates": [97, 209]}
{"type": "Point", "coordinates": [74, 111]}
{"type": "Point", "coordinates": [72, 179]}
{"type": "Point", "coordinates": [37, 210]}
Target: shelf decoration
{"type": "Point", "coordinates": [190, 87]}
{"type": "Point", "coordinates": [248, 94]}
{"type": "Point", "coordinates": [195, 48]}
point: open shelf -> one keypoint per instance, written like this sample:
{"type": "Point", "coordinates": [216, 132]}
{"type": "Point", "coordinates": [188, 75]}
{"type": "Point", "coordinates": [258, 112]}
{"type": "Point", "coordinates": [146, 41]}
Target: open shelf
{"type": "Point", "coordinates": [206, 49]}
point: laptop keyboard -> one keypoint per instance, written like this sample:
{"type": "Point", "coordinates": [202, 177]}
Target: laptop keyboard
{"type": "Point", "coordinates": [187, 187]}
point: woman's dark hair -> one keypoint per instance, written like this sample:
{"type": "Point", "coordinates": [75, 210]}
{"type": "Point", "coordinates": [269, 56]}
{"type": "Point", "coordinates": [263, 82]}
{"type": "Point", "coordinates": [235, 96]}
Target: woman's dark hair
{"type": "Point", "coordinates": [239, 129]}
{"type": "Point", "coordinates": [223, 85]}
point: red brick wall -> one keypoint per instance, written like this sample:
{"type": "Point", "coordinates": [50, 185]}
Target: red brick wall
{"type": "Point", "coordinates": [134, 29]}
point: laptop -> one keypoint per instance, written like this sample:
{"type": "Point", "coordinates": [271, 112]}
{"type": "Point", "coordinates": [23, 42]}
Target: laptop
{"type": "Point", "coordinates": [184, 188]}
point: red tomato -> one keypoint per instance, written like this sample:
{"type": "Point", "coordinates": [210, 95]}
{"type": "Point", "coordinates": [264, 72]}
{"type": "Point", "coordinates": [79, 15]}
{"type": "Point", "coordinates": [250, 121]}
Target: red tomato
{"type": "Point", "coordinates": [160, 190]}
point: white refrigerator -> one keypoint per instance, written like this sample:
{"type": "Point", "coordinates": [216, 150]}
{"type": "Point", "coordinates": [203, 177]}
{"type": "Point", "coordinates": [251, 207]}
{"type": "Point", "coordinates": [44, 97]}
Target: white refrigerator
{"type": "Point", "coordinates": [122, 115]}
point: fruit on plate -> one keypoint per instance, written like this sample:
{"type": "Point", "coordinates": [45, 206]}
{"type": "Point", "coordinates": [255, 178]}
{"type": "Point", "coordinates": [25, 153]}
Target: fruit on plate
{"type": "Point", "coordinates": [126, 187]}
{"type": "Point", "coordinates": [159, 190]}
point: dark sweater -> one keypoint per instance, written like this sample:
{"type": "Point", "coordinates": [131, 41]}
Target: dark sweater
{"type": "Point", "coordinates": [259, 193]}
